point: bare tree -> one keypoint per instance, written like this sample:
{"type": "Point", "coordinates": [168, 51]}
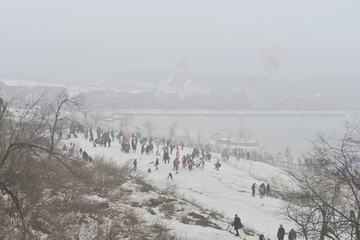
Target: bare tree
{"type": "Point", "coordinates": [187, 137]}
{"type": "Point", "coordinates": [199, 138]}
{"type": "Point", "coordinates": [125, 122]}
{"type": "Point", "coordinates": [149, 127]}
{"type": "Point", "coordinates": [324, 202]}
{"type": "Point", "coordinates": [58, 114]}
{"type": "Point", "coordinates": [29, 138]}
{"type": "Point", "coordinates": [172, 131]}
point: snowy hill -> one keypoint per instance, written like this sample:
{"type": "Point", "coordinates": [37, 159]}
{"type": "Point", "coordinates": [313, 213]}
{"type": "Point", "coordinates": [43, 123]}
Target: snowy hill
{"type": "Point", "coordinates": [227, 192]}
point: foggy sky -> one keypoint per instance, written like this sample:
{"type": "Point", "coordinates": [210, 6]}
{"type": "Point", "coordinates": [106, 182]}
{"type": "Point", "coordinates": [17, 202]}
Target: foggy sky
{"type": "Point", "coordinates": [85, 40]}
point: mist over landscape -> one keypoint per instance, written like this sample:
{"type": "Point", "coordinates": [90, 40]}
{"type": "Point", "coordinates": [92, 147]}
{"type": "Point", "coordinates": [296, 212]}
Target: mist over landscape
{"type": "Point", "coordinates": [244, 92]}
{"type": "Point", "coordinates": [189, 55]}
{"type": "Point", "coordinates": [142, 41]}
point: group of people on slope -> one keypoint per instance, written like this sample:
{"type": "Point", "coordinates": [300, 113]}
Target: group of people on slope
{"type": "Point", "coordinates": [264, 191]}
{"type": "Point", "coordinates": [281, 234]}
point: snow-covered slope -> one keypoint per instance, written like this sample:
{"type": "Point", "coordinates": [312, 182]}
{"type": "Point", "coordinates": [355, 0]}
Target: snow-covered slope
{"type": "Point", "coordinates": [227, 191]}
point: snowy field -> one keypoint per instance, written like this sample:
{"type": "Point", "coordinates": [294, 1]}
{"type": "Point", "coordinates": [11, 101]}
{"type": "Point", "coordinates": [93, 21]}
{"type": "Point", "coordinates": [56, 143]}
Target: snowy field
{"type": "Point", "coordinates": [227, 191]}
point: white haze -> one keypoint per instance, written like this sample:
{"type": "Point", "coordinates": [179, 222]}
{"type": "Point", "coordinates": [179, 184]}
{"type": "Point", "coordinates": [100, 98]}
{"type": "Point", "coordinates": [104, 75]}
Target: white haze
{"type": "Point", "coordinates": [143, 40]}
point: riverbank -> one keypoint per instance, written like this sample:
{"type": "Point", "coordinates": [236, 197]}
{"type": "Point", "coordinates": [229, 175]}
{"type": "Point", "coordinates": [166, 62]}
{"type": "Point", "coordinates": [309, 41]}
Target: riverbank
{"type": "Point", "coordinates": [193, 112]}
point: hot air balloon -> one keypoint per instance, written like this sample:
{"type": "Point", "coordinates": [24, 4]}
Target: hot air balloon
{"type": "Point", "coordinates": [272, 55]}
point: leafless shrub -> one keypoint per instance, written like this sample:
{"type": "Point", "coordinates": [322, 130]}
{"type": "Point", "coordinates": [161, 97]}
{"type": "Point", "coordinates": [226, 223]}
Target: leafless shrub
{"type": "Point", "coordinates": [168, 209]}
{"type": "Point", "coordinates": [159, 231]}
{"type": "Point", "coordinates": [203, 221]}
{"type": "Point", "coordinates": [325, 202]}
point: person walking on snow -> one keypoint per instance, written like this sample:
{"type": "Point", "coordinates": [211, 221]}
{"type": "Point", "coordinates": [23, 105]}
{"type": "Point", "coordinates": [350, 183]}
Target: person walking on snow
{"type": "Point", "coordinates": [175, 163]}
{"type": "Point", "coordinates": [183, 161]}
{"type": "Point", "coordinates": [135, 164]}
{"type": "Point", "coordinates": [262, 190]}
{"type": "Point", "coordinates": [217, 165]}
{"type": "Point", "coordinates": [292, 235]}
{"type": "Point", "coordinates": [237, 224]}
{"type": "Point", "coordinates": [170, 176]}
{"type": "Point", "coordinates": [253, 187]}
{"type": "Point", "coordinates": [157, 163]}
{"type": "Point", "coordinates": [268, 190]}
{"type": "Point", "coordinates": [281, 233]}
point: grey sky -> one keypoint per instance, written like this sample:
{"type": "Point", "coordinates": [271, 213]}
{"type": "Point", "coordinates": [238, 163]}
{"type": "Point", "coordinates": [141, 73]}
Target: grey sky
{"type": "Point", "coordinates": [89, 40]}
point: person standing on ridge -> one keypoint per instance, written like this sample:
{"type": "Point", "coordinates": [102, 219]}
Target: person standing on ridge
{"type": "Point", "coordinates": [157, 164]}
{"type": "Point", "coordinates": [292, 235]}
{"type": "Point", "coordinates": [253, 187]}
{"type": "Point", "coordinates": [268, 190]}
{"type": "Point", "coordinates": [135, 164]}
{"type": "Point", "coordinates": [237, 224]}
{"type": "Point", "coordinates": [281, 233]}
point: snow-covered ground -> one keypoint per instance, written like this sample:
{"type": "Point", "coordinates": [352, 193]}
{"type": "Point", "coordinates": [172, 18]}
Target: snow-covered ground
{"type": "Point", "coordinates": [227, 191]}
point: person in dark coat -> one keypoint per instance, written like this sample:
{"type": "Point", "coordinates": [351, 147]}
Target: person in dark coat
{"type": "Point", "coordinates": [166, 157]}
{"type": "Point", "coordinates": [268, 190]}
{"type": "Point", "coordinates": [135, 164]}
{"type": "Point", "coordinates": [281, 233]}
{"type": "Point", "coordinates": [253, 189]}
{"type": "Point", "coordinates": [237, 224]}
{"type": "Point", "coordinates": [109, 141]}
{"type": "Point", "coordinates": [170, 176]}
{"type": "Point", "coordinates": [262, 190]}
{"type": "Point", "coordinates": [208, 156]}
{"type": "Point", "coordinates": [217, 165]}
{"type": "Point", "coordinates": [85, 155]}
{"type": "Point", "coordinates": [292, 235]}
{"type": "Point", "coordinates": [157, 163]}
{"type": "Point", "coordinates": [91, 136]}
{"type": "Point", "coordinates": [142, 148]}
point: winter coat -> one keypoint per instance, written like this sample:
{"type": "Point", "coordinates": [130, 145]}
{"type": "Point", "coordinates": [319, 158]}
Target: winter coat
{"type": "Point", "coordinates": [262, 189]}
{"type": "Point", "coordinates": [237, 223]}
{"type": "Point", "coordinates": [292, 235]}
{"type": "Point", "coordinates": [281, 232]}
{"type": "Point", "coordinates": [85, 155]}
{"type": "Point", "coordinates": [268, 190]}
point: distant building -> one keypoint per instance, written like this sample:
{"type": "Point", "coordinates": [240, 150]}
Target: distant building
{"type": "Point", "coordinates": [46, 93]}
{"type": "Point", "coordinates": [14, 94]}
{"type": "Point", "coordinates": [203, 101]}
{"type": "Point", "coordinates": [234, 100]}
{"type": "Point", "coordinates": [168, 100]}
{"type": "Point", "coordinates": [303, 102]}
{"type": "Point", "coordinates": [257, 98]}
{"type": "Point", "coordinates": [96, 98]}
{"type": "Point", "coordinates": [130, 100]}
{"type": "Point", "coordinates": [21, 95]}
{"type": "Point", "coordinates": [183, 83]}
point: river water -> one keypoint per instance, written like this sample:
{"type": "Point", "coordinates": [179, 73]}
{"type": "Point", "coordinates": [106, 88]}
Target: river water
{"type": "Point", "coordinates": [274, 132]}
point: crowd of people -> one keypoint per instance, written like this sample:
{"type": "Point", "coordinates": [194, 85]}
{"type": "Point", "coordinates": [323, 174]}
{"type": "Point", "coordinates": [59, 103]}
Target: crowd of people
{"type": "Point", "coordinates": [130, 141]}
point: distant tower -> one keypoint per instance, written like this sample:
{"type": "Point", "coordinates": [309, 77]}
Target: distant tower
{"type": "Point", "coordinates": [183, 65]}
